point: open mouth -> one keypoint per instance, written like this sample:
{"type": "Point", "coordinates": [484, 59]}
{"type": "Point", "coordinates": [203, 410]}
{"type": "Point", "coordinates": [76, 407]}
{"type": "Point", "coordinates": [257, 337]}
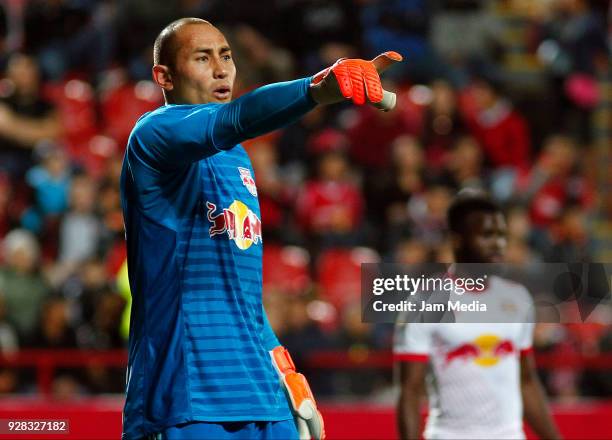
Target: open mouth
{"type": "Point", "coordinates": [222, 93]}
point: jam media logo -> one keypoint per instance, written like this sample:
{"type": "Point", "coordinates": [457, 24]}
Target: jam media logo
{"type": "Point", "coordinates": [241, 224]}
{"type": "Point", "coordinates": [247, 180]}
{"type": "Point", "coordinates": [485, 351]}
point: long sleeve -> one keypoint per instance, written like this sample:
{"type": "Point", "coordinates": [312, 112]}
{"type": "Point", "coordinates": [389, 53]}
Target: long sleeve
{"type": "Point", "coordinates": [176, 135]}
{"type": "Point", "coordinates": [261, 111]}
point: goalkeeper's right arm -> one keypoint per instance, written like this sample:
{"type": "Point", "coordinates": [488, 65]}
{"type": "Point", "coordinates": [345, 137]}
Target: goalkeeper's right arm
{"type": "Point", "coordinates": [276, 105]}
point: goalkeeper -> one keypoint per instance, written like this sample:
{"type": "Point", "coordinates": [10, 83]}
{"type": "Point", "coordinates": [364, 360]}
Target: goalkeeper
{"type": "Point", "coordinates": [203, 360]}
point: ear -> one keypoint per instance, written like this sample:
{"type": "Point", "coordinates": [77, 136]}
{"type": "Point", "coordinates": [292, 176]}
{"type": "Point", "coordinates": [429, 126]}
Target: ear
{"type": "Point", "coordinates": [162, 76]}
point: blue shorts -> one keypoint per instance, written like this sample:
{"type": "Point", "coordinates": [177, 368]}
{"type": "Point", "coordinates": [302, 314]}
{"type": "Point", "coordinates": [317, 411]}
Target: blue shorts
{"type": "Point", "coordinates": [283, 430]}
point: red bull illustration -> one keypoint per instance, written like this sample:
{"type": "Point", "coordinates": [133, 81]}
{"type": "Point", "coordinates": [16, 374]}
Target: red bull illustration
{"type": "Point", "coordinates": [485, 351]}
{"type": "Point", "coordinates": [240, 223]}
{"type": "Point", "coordinates": [247, 180]}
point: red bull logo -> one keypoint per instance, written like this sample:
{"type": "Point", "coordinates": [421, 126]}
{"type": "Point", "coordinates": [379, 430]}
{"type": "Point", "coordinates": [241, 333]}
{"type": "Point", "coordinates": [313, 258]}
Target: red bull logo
{"type": "Point", "coordinates": [485, 351]}
{"type": "Point", "coordinates": [240, 223]}
{"type": "Point", "coordinates": [247, 180]}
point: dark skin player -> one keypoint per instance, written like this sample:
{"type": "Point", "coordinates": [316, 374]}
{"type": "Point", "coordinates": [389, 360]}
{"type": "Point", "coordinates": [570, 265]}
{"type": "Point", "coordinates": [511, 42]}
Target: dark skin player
{"type": "Point", "coordinates": [478, 236]}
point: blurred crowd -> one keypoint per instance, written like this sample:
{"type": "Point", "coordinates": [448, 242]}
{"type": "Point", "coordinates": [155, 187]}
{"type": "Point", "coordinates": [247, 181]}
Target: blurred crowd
{"type": "Point", "coordinates": [499, 95]}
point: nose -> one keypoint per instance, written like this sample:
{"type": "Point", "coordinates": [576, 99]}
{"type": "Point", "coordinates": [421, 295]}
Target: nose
{"type": "Point", "coordinates": [219, 69]}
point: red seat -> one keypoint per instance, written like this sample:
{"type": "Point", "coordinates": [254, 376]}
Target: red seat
{"type": "Point", "coordinates": [124, 104]}
{"type": "Point", "coordinates": [339, 274]}
{"type": "Point", "coordinates": [285, 269]}
{"type": "Point", "coordinates": [115, 257]}
{"type": "Point", "coordinates": [75, 102]}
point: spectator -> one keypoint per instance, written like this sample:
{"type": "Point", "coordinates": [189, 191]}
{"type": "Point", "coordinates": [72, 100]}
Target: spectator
{"type": "Point", "coordinates": [403, 26]}
{"type": "Point", "coordinates": [25, 117]}
{"type": "Point", "coordinates": [109, 210]}
{"type": "Point", "coordinates": [357, 339]}
{"type": "Point", "coordinates": [84, 289]}
{"type": "Point", "coordinates": [519, 228]}
{"type": "Point", "coordinates": [371, 134]}
{"type": "Point", "coordinates": [388, 193]}
{"type": "Point", "coordinates": [9, 342]}
{"type": "Point", "coordinates": [255, 54]}
{"type": "Point", "coordinates": [462, 30]}
{"type": "Point", "coordinates": [54, 330]}
{"type": "Point", "coordinates": [569, 237]}
{"type": "Point", "coordinates": [575, 50]}
{"type": "Point", "coordinates": [554, 338]}
{"type": "Point", "coordinates": [102, 331]}
{"type": "Point", "coordinates": [553, 182]}
{"type": "Point", "coordinates": [500, 130]}
{"type": "Point", "coordinates": [442, 125]}
{"type": "Point", "coordinates": [22, 285]}
{"type": "Point", "coordinates": [68, 35]}
{"type": "Point", "coordinates": [304, 337]}
{"type": "Point", "coordinates": [427, 213]}
{"type": "Point", "coordinates": [308, 25]}
{"type": "Point", "coordinates": [330, 206]}
{"type": "Point", "coordinates": [293, 141]}
{"type": "Point", "coordinates": [50, 184]}
{"type": "Point", "coordinates": [465, 165]}
{"type": "Point", "coordinates": [80, 229]}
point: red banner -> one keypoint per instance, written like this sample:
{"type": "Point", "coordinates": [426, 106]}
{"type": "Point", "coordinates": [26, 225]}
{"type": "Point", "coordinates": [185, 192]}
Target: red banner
{"type": "Point", "coordinates": [100, 419]}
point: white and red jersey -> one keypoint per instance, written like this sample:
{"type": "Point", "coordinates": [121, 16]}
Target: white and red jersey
{"type": "Point", "coordinates": [474, 389]}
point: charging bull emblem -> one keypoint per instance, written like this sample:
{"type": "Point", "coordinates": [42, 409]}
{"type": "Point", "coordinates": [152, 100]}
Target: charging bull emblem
{"type": "Point", "coordinates": [240, 223]}
{"type": "Point", "coordinates": [485, 350]}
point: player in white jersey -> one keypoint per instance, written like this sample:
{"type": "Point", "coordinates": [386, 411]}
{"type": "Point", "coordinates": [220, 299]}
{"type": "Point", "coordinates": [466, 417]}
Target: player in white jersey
{"type": "Point", "coordinates": [483, 379]}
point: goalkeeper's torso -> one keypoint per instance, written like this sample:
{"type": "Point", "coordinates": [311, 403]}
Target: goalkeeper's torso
{"type": "Point", "coordinates": [194, 256]}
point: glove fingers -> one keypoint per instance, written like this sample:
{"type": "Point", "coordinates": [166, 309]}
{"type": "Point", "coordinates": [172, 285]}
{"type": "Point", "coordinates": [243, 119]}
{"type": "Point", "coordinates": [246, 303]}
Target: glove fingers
{"type": "Point", "coordinates": [302, 428]}
{"type": "Point", "coordinates": [385, 60]}
{"type": "Point", "coordinates": [315, 426]}
{"type": "Point", "coordinates": [343, 79]}
{"type": "Point", "coordinates": [373, 87]}
{"type": "Point", "coordinates": [357, 78]}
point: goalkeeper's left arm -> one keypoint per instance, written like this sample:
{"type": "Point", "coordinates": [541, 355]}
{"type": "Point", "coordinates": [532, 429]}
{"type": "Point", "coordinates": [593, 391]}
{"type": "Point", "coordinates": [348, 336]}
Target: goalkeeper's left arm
{"type": "Point", "coordinates": [308, 419]}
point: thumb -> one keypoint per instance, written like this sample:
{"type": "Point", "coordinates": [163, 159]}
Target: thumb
{"type": "Point", "coordinates": [385, 60]}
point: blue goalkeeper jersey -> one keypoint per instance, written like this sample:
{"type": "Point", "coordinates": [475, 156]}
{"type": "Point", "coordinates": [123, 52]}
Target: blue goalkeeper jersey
{"type": "Point", "coordinates": [199, 337]}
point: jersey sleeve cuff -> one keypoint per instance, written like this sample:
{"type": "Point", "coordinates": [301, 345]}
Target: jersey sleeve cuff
{"type": "Point", "coordinates": [526, 351]}
{"type": "Point", "coordinates": [410, 357]}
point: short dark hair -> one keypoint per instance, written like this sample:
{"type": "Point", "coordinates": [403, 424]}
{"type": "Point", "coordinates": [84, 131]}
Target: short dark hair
{"type": "Point", "coordinates": [164, 49]}
{"type": "Point", "coordinates": [466, 202]}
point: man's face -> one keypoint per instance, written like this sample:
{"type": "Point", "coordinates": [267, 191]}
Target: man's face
{"type": "Point", "coordinates": [23, 72]}
{"type": "Point", "coordinates": [204, 69]}
{"type": "Point", "coordinates": [484, 240]}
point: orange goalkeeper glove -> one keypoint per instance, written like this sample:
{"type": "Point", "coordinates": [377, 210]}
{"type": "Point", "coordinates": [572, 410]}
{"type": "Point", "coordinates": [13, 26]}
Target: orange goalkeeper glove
{"type": "Point", "coordinates": [355, 79]}
{"type": "Point", "coordinates": [308, 419]}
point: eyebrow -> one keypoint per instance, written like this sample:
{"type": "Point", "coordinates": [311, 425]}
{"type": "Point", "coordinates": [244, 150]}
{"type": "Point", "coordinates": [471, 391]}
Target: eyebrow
{"type": "Point", "coordinates": [208, 50]}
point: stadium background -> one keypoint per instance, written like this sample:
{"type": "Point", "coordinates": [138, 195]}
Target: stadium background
{"type": "Point", "coordinates": [512, 96]}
